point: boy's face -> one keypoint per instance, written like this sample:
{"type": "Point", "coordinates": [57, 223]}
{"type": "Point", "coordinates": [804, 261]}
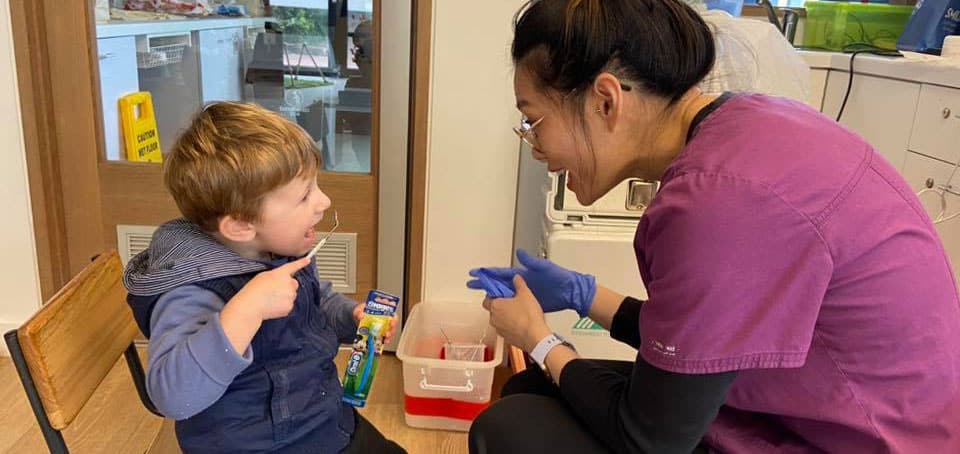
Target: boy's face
{"type": "Point", "coordinates": [288, 216]}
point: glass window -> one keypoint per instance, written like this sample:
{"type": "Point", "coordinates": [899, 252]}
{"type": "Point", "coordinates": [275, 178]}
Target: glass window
{"type": "Point", "coordinates": [312, 61]}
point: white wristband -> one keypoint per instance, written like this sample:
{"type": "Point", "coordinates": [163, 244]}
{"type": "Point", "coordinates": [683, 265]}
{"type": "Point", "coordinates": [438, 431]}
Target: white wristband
{"type": "Point", "coordinates": [543, 348]}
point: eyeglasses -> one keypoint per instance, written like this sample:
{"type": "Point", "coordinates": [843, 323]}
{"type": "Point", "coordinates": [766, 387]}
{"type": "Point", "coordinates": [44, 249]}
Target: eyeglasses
{"type": "Point", "coordinates": [526, 133]}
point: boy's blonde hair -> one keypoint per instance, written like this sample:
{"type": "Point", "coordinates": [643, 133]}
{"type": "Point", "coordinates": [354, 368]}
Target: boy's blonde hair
{"type": "Point", "coordinates": [230, 156]}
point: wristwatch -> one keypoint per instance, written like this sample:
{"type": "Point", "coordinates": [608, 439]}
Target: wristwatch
{"type": "Point", "coordinates": [540, 352]}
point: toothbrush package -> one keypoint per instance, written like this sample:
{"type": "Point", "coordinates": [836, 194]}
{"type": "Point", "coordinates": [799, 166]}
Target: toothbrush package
{"type": "Point", "coordinates": [368, 346]}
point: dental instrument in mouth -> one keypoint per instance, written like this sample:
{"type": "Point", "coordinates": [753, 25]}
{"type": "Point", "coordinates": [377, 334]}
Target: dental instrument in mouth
{"type": "Point", "coordinates": [323, 241]}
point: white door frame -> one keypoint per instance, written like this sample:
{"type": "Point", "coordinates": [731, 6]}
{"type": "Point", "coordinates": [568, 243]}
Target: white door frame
{"type": "Point", "coordinates": [395, 41]}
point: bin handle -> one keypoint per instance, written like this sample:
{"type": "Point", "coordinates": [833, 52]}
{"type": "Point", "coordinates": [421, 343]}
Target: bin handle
{"type": "Point", "coordinates": [427, 386]}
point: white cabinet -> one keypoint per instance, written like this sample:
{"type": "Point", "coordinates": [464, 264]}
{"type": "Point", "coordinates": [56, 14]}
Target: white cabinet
{"type": "Point", "coordinates": [221, 67]}
{"type": "Point", "coordinates": [906, 111]}
{"type": "Point", "coordinates": [118, 77]}
{"type": "Point", "coordinates": [936, 128]}
{"type": "Point", "coordinates": [917, 170]}
{"type": "Point", "coordinates": [879, 109]}
{"type": "Point", "coordinates": [818, 83]}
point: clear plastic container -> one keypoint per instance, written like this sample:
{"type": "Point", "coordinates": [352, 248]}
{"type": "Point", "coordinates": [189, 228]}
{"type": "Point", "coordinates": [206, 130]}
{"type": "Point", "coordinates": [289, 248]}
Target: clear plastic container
{"type": "Point", "coordinates": [441, 393]}
{"type": "Point", "coordinates": [734, 7]}
{"type": "Point", "coordinates": [835, 25]}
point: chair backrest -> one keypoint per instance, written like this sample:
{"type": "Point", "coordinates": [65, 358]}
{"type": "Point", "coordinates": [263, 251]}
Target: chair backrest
{"type": "Point", "coordinates": [74, 340]}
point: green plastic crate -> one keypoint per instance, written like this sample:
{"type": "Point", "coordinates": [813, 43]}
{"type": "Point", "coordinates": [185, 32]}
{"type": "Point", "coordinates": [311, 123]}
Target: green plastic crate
{"type": "Point", "coordinates": [835, 25]}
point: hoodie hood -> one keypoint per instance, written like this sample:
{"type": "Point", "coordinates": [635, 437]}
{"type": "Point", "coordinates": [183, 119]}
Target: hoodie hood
{"type": "Point", "coordinates": [181, 253]}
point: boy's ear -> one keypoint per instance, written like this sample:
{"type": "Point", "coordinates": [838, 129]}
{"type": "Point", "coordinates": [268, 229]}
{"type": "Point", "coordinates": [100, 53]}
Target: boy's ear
{"type": "Point", "coordinates": [234, 229]}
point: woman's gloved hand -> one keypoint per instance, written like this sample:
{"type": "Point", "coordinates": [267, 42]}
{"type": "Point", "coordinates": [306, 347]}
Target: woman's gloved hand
{"type": "Point", "coordinates": [556, 288]}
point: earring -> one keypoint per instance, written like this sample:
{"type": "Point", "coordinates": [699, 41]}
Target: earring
{"type": "Point", "coordinates": [596, 109]}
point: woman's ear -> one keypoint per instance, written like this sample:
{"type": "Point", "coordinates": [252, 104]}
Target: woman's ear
{"type": "Point", "coordinates": [234, 229]}
{"type": "Point", "coordinates": [608, 98]}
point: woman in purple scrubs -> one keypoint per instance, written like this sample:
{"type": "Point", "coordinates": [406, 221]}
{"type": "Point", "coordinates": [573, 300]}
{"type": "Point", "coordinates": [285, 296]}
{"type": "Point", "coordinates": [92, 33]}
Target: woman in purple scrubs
{"type": "Point", "coordinates": [800, 299]}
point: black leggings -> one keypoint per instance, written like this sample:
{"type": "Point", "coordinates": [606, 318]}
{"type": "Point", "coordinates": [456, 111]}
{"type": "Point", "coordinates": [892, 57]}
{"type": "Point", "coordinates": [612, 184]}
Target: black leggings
{"type": "Point", "coordinates": [532, 417]}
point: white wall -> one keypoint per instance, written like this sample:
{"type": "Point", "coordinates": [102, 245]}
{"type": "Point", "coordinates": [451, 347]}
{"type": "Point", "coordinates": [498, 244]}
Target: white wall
{"type": "Point", "coordinates": [472, 153]}
{"type": "Point", "coordinates": [19, 280]}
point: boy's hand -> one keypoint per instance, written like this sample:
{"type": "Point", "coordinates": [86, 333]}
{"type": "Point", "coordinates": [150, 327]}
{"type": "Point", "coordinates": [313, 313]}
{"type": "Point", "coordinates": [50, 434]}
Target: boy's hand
{"type": "Point", "coordinates": [271, 294]}
{"type": "Point", "coordinates": [358, 314]}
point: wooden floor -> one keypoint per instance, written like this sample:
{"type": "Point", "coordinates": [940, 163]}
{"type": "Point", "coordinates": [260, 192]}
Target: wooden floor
{"type": "Point", "coordinates": [115, 422]}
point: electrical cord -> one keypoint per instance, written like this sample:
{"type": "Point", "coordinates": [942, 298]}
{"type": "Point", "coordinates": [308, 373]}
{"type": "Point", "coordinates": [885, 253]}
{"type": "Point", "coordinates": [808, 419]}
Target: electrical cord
{"type": "Point", "coordinates": [857, 49]}
{"type": "Point", "coordinates": [942, 190]}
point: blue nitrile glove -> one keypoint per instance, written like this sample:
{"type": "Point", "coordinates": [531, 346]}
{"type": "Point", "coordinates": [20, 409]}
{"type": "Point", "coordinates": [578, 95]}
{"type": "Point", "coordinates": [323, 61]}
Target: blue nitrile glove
{"type": "Point", "coordinates": [555, 287]}
{"type": "Point", "coordinates": [488, 280]}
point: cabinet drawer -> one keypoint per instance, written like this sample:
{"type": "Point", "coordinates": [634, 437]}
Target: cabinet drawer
{"type": "Point", "coordinates": [917, 170]}
{"type": "Point", "coordinates": [936, 127]}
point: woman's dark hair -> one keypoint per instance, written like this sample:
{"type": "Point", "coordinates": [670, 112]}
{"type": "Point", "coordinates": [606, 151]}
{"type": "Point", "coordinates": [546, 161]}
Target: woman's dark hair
{"type": "Point", "coordinates": [662, 45]}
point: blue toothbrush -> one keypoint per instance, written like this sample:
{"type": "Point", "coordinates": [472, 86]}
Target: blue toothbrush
{"type": "Point", "coordinates": [370, 354]}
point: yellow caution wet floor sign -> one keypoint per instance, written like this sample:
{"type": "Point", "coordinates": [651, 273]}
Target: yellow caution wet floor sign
{"type": "Point", "coordinates": [140, 136]}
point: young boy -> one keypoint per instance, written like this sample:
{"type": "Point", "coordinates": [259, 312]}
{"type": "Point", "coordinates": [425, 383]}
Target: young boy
{"type": "Point", "coordinates": [242, 333]}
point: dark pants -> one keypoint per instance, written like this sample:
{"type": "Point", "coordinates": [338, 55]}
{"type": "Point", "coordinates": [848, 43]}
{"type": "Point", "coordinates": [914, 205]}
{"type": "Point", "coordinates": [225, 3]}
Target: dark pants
{"type": "Point", "coordinates": [532, 417]}
{"type": "Point", "coordinates": [367, 439]}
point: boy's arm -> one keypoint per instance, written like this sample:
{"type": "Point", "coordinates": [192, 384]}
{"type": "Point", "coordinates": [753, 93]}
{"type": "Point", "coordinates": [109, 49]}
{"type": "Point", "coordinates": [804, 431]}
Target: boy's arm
{"type": "Point", "coordinates": [191, 361]}
{"type": "Point", "coordinates": [339, 311]}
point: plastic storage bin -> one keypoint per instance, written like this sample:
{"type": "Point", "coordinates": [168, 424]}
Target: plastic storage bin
{"type": "Point", "coordinates": [446, 393]}
{"type": "Point", "coordinates": [734, 7]}
{"type": "Point", "coordinates": [835, 25]}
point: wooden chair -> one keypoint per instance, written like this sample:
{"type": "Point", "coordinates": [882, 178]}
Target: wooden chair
{"type": "Point", "coordinates": [68, 347]}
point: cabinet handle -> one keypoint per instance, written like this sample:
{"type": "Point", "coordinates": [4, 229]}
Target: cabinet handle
{"type": "Point", "coordinates": [640, 194]}
{"type": "Point", "coordinates": [946, 112]}
{"type": "Point", "coordinates": [105, 56]}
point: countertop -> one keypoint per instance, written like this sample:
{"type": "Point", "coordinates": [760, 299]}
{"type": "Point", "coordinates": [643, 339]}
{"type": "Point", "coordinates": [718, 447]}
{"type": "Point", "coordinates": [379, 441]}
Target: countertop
{"type": "Point", "coordinates": [903, 68]}
{"type": "Point", "coordinates": [166, 27]}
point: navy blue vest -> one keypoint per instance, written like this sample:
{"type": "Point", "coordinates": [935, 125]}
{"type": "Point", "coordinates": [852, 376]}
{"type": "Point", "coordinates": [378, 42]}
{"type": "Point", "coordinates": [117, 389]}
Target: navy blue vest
{"type": "Point", "coordinates": [288, 399]}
